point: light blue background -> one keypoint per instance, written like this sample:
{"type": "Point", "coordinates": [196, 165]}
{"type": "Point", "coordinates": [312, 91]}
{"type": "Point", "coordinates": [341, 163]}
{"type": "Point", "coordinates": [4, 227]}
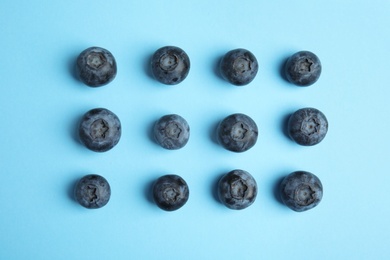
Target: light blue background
{"type": "Point", "coordinates": [41, 103]}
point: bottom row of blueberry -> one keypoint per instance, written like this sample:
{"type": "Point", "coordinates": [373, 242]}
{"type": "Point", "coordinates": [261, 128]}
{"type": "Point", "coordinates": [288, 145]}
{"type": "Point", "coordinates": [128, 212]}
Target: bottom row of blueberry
{"type": "Point", "coordinates": [300, 191]}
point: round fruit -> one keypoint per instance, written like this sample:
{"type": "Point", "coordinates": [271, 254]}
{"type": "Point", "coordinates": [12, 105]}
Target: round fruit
{"type": "Point", "coordinates": [239, 67]}
{"type": "Point", "coordinates": [307, 126]}
{"type": "Point", "coordinates": [170, 192]}
{"type": "Point", "coordinates": [99, 130]}
{"type": "Point", "coordinates": [303, 68]}
{"type": "Point", "coordinates": [96, 67]}
{"type": "Point", "coordinates": [171, 132]}
{"type": "Point", "coordinates": [237, 189]}
{"type": "Point", "coordinates": [92, 191]}
{"type": "Point", "coordinates": [170, 65]}
{"type": "Point", "coordinates": [237, 133]}
{"type": "Point", "coordinates": [301, 191]}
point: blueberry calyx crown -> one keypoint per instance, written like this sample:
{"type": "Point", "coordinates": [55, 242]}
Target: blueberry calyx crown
{"type": "Point", "coordinates": [239, 131]}
{"type": "Point", "coordinates": [91, 191]}
{"type": "Point", "coordinates": [99, 129]}
{"type": "Point", "coordinates": [238, 189]}
{"type": "Point", "coordinates": [310, 126]}
{"type": "Point", "coordinates": [170, 194]}
{"type": "Point", "coordinates": [304, 194]}
{"type": "Point", "coordinates": [173, 130]}
{"type": "Point", "coordinates": [96, 60]}
{"type": "Point", "coordinates": [169, 61]}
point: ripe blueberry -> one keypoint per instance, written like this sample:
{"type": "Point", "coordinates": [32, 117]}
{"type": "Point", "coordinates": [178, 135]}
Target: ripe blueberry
{"type": "Point", "coordinates": [303, 68]}
{"type": "Point", "coordinates": [237, 133]}
{"type": "Point", "coordinates": [170, 192]}
{"type": "Point", "coordinates": [96, 67]}
{"type": "Point", "coordinates": [307, 126]}
{"type": "Point", "coordinates": [237, 189]}
{"type": "Point", "coordinates": [171, 132]}
{"type": "Point", "coordinates": [301, 191]}
{"type": "Point", "coordinates": [92, 191]}
{"type": "Point", "coordinates": [99, 130]}
{"type": "Point", "coordinates": [239, 67]}
{"type": "Point", "coordinates": [170, 65]}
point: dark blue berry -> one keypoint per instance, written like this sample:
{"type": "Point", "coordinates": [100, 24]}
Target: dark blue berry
{"type": "Point", "coordinates": [239, 67]}
{"type": "Point", "coordinates": [96, 67]}
{"type": "Point", "coordinates": [237, 133]}
{"type": "Point", "coordinates": [237, 189]}
{"type": "Point", "coordinates": [170, 65]}
{"type": "Point", "coordinates": [171, 132]}
{"type": "Point", "coordinates": [307, 126]}
{"type": "Point", "coordinates": [303, 68]}
{"type": "Point", "coordinates": [92, 191]}
{"type": "Point", "coordinates": [99, 130]}
{"type": "Point", "coordinates": [301, 191]}
{"type": "Point", "coordinates": [170, 192]}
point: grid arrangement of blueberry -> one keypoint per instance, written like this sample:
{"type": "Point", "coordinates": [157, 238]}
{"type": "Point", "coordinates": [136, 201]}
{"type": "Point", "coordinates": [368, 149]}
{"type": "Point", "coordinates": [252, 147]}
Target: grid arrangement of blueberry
{"type": "Point", "coordinates": [100, 129]}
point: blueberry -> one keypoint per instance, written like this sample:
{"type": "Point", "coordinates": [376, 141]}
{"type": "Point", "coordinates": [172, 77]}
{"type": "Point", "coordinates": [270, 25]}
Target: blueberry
{"type": "Point", "coordinates": [99, 130]}
{"type": "Point", "coordinates": [170, 192]}
{"type": "Point", "coordinates": [171, 132]}
{"type": "Point", "coordinates": [239, 67]}
{"type": "Point", "coordinates": [307, 126]}
{"type": "Point", "coordinates": [303, 68]}
{"type": "Point", "coordinates": [96, 67]}
{"type": "Point", "coordinates": [92, 191]}
{"type": "Point", "coordinates": [301, 191]}
{"type": "Point", "coordinates": [237, 133]}
{"type": "Point", "coordinates": [237, 189]}
{"type": "Point", "coordinates": [170, 65]}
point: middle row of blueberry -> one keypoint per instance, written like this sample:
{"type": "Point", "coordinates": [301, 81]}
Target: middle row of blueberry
{"type": "Point", "coordinates": [170, 65]}
{"type": "Point", "coordinates": [100, 130]}
{"type": "Point", "coordinates": [300, 191]}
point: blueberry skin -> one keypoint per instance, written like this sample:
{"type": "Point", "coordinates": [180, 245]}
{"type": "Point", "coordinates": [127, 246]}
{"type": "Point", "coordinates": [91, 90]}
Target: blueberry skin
{"type": "Point", "coordinates": [171, 132]}
{"type": "Point", "coordinates": [307, 126]}
{"type": "Point", "coordinates": [96, 67]}
{"type": "Point", "coordinates": [237, 189]}
{"type": "Point", "coordinates": [99, 130]}
{"type": "Point", "coordinates": [239, 67]}
{"type": "Point", "coordinates": [237, 133]}
{"type": "Point", "coordinates": [92, 191]}
{"type": "Point", "coordinates": [170, 192]}
{"type": "Point", "coordinates": [170, 65]}
{"type": "Point", "coordinates": [301, 191]}
{"type": "Point", "coordinates": [303, 68]}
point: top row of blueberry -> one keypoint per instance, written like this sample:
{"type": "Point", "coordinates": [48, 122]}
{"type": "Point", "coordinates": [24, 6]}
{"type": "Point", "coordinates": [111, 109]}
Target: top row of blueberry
{"type": "Point", "coordinates": [170, 65]}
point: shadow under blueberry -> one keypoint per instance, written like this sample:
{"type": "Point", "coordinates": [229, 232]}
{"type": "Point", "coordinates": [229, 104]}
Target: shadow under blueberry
{"type": "Point", "coordinates": [216, 64]}
{"type": "Point", "coordinates": [148, 191]}
{"type": "Point", "coordinates": [74, 130]}
{"type": "Point", "coordinates": [276, 189]}
{"type": "Point", "coordinates": [284, 126]}
{"type": "Point", "coordinates": [282, 66]}
{"type": "Point", "coordinates": [150, 132]}
{"type": "Point", "coordinates": [147, 66]}
{"type": "Point", "coordinates": [70, 190]}
{"type": "Point", "coordinates": [72, 67]}
{"type": "Point", "coordinates": [213, 132]}
{"type": "Point", "coordinates": [214, 187]}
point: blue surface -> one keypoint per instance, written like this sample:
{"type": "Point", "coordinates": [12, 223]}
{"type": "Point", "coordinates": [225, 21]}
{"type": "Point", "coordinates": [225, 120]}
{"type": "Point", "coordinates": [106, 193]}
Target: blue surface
{"type": "Point", "coordinates": [41, 103]}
